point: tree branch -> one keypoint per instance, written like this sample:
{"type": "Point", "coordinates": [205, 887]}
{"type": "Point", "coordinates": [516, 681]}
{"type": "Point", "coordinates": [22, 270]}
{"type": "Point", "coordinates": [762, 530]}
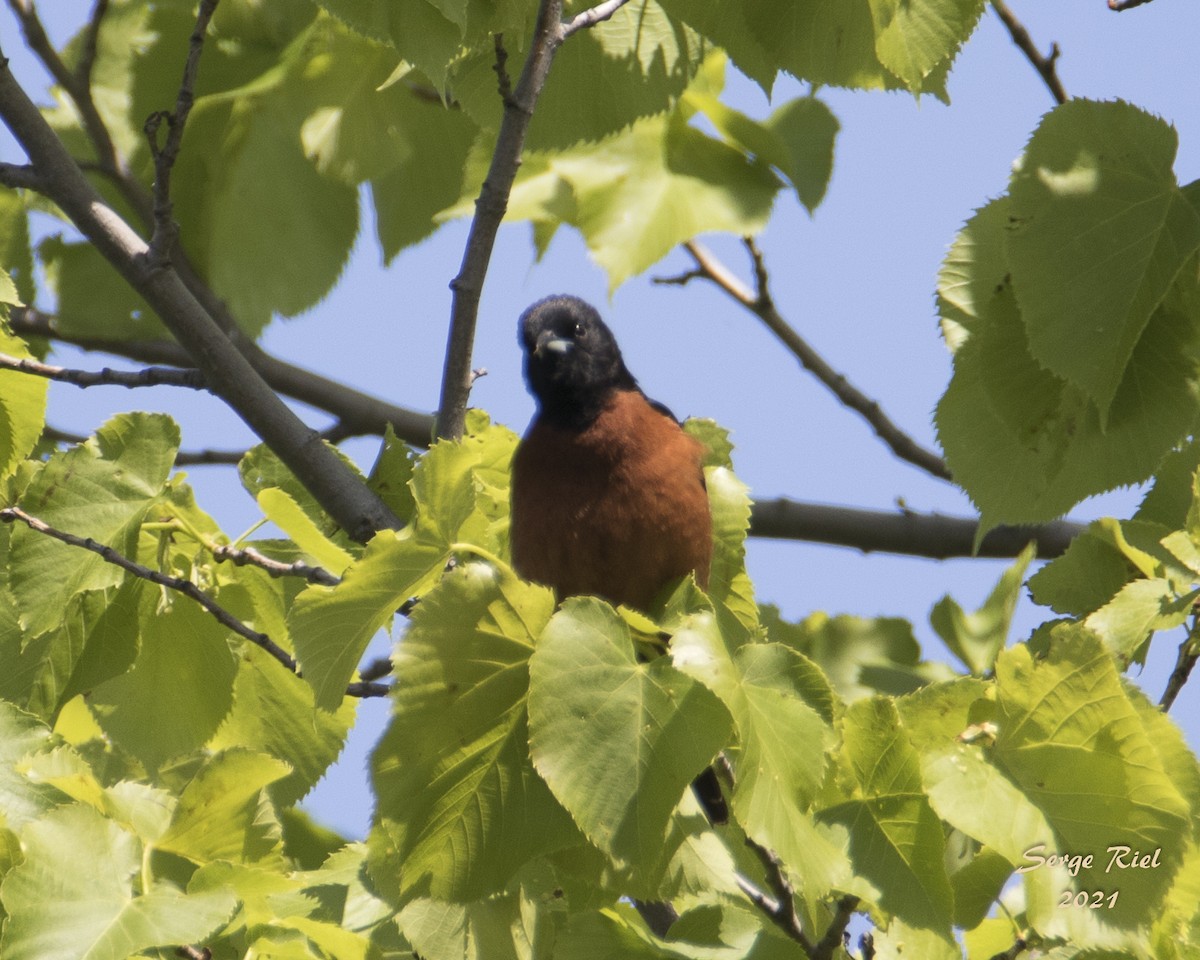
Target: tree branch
{"type": "Point", "coordinates": [836, 934]}
{"type": "Point", "coordinates": [1189, 653]}
{"type": "Point", "coordinates": [357, 412]}
{"type": "Point", "coordinates": [598, 13]}
{"type": "Point", "coordinates": [243, 556]}
{"type": "Point", "coordinates": [166, 231]}
{"type": "Point", "coordinates": [492, 202]}
{"type": "Point", "coordinates": [1044, 65]}
{"type": "Point", "coordinates": [355, 507]}
{"type": "Point", "coordinates": [759, 303]}
{"type": "Point", "coordinates": [1119, 5]}
{"type": "Point", "coordinates": [184, 458]}
{"type": "Point", "coordinates": [21, 176]}
{"type": "Point", "coordinates": [185, 587]}
{"type": "Point", "coordinates": [913, 534]}
{"type": "Point", "coordinates": [780, 910]}
{"type": "Point", "coordinates": [146, 377]}
{"type": "Point", "coordinates": [90, 45]}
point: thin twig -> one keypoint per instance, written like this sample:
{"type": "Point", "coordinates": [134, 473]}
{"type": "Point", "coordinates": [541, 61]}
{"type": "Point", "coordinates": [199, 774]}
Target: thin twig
{"type": "Point", "coordinates": [1045, 65]}
{"type": "Point", "coordinates": [1189, 653]}
{"type": "Point", "coordinates": [759, 302]}
{"type": "Point", "coordinates": [185, 587]}
{"type": "Point", "coordinates": [503, 81]}
{"type": "Point", "coordinates": [377, 669]}
{"type": "Point", "coordinates": [193, 953]}
{"type": "Point", "coordinates": [184, 458]}
{"type": "Point", "coordinates": [146, 377]}
{"type": "Point", "coordinates": [248, 556]}
{"type": "Point", "coordinates": [1119, 5]}
{"type": "Point", "coordinates": [492, 202]}
{"type": "Point", "coordinates": [165, 229]}
{"type": "Point", "coordinates": [781, 909]}
{"type": "Point", "coordinates": [89, 47]}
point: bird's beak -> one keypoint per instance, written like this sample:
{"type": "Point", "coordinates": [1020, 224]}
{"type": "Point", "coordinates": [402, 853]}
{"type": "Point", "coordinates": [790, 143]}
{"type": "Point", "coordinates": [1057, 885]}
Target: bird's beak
{"type": "Point", "coordinates": [549, 343]}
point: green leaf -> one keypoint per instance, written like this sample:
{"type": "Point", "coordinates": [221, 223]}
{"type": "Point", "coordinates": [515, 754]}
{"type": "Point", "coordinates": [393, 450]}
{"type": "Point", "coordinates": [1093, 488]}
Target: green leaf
{"type": "Point", "coordinates": [978, 637]}
{"type": "Point", "coordinates": [72, 897]}
{"type": "Point", "coordinates": [460, 808]}
{"type": "Point", "coordinates": [1100, 231]}
{"type": "Point", "coordinates": [781, 706]}
{"type": "Point", "coordinates": [16, 256]}
{"type": "Point", "coordinates": [517, 926]}
{"type": "Point", "coordinates": [425, 180]}
{"type": "Point", "coordinates": [461, 488]}
{"type": "Point", "coordinates": [974, 269]}
{"type": "Point", "coordinates": [274, 713]}
{"type": "Point", "coordinates": [22, 737]}
{"type": "Point", "coordinates": [391, 476]}
{"type": "Point", "coordinates": [727, 26]}
{"type": "Point", "coordinates": [101, 489]}
{"type": "Point", "coordinates": [279, 507]}
{"type": "Point", "coordinates": [331, 626]}
{"type": "Point", "coordinates": [1139, 608]}
{"type": "Point", "coordinates": [618, 741]}
{"type": "Point", "coordinates": [728, 583]}
{"type": "Point", "coordinates": [22, 402]}
{"type": "Point", "coordinates": [859, 656]}
{"type": "Point", "coordinates": [1026, 446]}
{"type": "Point", "coordinates": [219, 817]}
{"type": "Point", "coordinates": [913, 37]}
{"type": "Point", "coordinates": [1084, 578]}
{"type": "Point", "coordinates": [180, 687]}
{"type": "Point", "coordinates": [1065, 722]}
{"type": "Point", "coordinates": [93, 300]}
{"type": "Point", "coordinates": [896, 841]}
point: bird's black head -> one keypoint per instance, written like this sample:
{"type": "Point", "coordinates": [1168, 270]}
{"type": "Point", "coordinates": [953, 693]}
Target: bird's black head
{"type": "Point", "coordinates": [572, 362]}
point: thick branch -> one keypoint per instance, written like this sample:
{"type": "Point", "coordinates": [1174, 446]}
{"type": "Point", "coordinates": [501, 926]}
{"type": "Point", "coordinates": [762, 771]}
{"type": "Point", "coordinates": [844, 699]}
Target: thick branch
{"type": "Point", "coordinates": [760, 304]}
{"type": "Point", "coordinates": [146, 377]}
{"type": "Point", "coordinates": [1119, 5]}
{"type": "Point", "coordinates": [913, 534]}
{"type": "Point", "coordinates": [492, 202]}
{"type": "Point", "coordinates": [226, 370]}
{"type": "Point", "coordinates": [1044, 65]}
{"type": "Point", "coordinates": [357, 412]}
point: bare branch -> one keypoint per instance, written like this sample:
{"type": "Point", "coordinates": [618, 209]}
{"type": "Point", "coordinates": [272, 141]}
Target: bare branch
{"type": "Point", "coordinates": [352, 504]}
{"type": "Point", "coordinates": [357, 412]}
{"type": "Point", "coordinates": [836, 934]}
{"type": "Point", "coordinates": [912, 534]}
{"type": "Point", "coordinates": [90, 44]}
{"type": "Point", "coordinates": [185, 587]}
{"type": "Point", "coordinates": [760, 304]}
{"type": "Point", "coordinates": [598, 13]}
{"type": "Point", "coordinates": [193, 953]}
{"type": "Point", "coordinates": [185, 458]}
{"type": "Point", "coordinates": [1045, 65]}
{"type": "Point", "coordinates": [166, 230]}
{"type": "Point", "coordinates": [243, 556]}
{"type": "Point", "coordinates": [21, 176]}
{"type": "Point", "coordinates": [781, 908]}
{"type": "Point", "coordinates": [146, 377]}
{"type": "Point", "coordinates": [1020, 945]}
{"type": "Point", "coordinates": [1189, 653]}
{"type": "Point", "coordinates": [75, 86]}
{"type": "Point", "coordinates": [1119, 5]}
{"type": "Point", "coordinates": [490, 207]}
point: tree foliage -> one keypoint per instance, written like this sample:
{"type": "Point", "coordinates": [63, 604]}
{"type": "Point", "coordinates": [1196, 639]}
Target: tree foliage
{"type": "Point", "coordinates": [531, 787]}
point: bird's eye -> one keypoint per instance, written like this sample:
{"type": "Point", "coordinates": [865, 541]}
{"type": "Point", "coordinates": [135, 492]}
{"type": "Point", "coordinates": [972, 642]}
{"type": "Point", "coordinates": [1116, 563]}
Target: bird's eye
{"type": "Point", "coordinates": [579, 330]}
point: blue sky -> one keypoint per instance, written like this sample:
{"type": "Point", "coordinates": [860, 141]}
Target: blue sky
{"type": "Point", "coordinates": [856, 279]}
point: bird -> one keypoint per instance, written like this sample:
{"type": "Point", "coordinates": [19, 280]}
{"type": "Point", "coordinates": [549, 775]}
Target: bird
{"type": "Point", "coordinates": [608, 493]}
